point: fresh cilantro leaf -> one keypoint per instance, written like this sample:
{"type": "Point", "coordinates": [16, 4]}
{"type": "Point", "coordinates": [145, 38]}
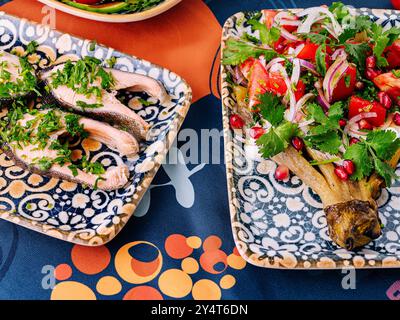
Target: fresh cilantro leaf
{"type": "Point", "coordinates": [358, 153]}
{"type": "Point", "coordinates": [381, 40]}
{"type": "Point", "coordinates": [396, 73]}
{"type": "Point", "coordinates": [324, 135]}
{"type": "Point", "coordinates": [384, 142]}
{"type": "Point", "coordinates": [317, 38]}
{"type": "Point", "coordinates": [267, 36]}
{"type": "Point", "coordinates": [355, 25]}
{"type": "Point", "coordinates": [385, 171]}
{"type": "Point", "coordinates": [271, 108]}
{"type": "Point", "coordinates": [277, 139]}
{"type": "Point", "coordinates": [336, 110]}
{"type": "Point", "coordinates": [347, 81]}
{"type": "Point", "coordinates": [31, 47]}
{"type": "Point", "coordinates": [378, 147]}
{"type": "Point", "coordinates": [339, 9]}
{"type": "Point", "coordinates": [329, 141]}
{"type": "Point", "coordinates": [237, 51]}
{"type": "Point", "coordinates": [358, 53]}
{"type": "Point", "coordinates": [320, 59]}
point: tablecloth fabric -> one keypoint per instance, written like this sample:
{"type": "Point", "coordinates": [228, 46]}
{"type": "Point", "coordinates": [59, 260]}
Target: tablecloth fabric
{"type": "Point", "coordinates": [179, 245]}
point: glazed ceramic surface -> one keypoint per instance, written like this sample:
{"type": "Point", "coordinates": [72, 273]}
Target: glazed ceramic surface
{"type": "Point", "coordinates": [282, 224]}
{"type": "Point", "coordinates": [67, 210]}
{"type": "Point", "coordinates": [114, 17]}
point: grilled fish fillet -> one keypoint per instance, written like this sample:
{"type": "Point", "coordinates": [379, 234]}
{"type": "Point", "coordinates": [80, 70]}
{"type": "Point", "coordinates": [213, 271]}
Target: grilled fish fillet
{"type": "Point", "coordinates": [17, 79]}
{"type": "Point", "coordinates": [109, 108]}
{"type": "Point", "coordinates": [27, 155]}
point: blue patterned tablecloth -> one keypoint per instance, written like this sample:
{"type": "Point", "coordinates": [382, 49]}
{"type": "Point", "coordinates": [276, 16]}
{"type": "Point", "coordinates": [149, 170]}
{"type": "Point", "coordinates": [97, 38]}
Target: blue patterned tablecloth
{"type": "Point", "coordinates": [189, 228]}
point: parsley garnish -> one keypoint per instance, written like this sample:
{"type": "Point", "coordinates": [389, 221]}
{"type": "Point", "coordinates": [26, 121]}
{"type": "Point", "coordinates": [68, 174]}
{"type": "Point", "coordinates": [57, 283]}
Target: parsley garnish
{"type": "Point", "coordinates": [320, 59]}
{"type": "Point", "coordinates": [277, 139]}
{"type": "Point", "coordinates": [396, 73]}
{"type": "Point", "coordinates": [237, 51]}
{"type": "Point", "coordinates": [325, 134]}
{"type": "Point", "coordinates": [267, 36]}
{"type": "Point", "coordinates": [358, 53]}
{"type": "Point", "coordinates": [85, 105]}
{"type": "Point", "coordinates": [378, 147]}
{"type": "Point", "coordinates": [382, 40]}
{"type": "Point", "coordinates": [271, 108]}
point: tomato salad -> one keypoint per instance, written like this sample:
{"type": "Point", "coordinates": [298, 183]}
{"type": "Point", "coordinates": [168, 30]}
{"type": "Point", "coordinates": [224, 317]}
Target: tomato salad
{"type": "Point", "coordinates": [321, 79]}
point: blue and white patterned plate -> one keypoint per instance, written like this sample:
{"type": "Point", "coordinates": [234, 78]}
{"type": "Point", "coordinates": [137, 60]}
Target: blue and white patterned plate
{"type": "Point", "coordinates": [69, 211]}
{"type": "Point", "coordinates": [282, 224]}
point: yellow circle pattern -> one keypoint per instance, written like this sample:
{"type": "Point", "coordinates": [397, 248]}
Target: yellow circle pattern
{"type": "Point", "coordinates": [205, 289]}
{"type": "Point", "coordinates": [108, 286]}
{"type": "Point", "coordinates": [175, 283]}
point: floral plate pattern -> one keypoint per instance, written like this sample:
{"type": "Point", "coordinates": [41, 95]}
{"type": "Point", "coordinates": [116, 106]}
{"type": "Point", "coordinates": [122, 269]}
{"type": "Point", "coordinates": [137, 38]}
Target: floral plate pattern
{"type": "Point", "coordinates": [282, 224]}
{"type": "Point", "coordinates": [66, 210]}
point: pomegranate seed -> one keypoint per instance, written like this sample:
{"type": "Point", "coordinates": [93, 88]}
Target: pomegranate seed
{"type": "Point", "coordinates": [396, 119]}
{"type": "Point", "coordinates": [364, 125]}
{"type": "Point", "coordinates": [256, 132]}
{"type": "Point", "coordinates": [372, 73]}
{"type": "Point", "coordinates": [298, 143]}
{"type": "Point", "coordinates": [360, 85]}
{"type": "Point", "coordinates": [342, 122]}
{"type": "Point", "coordinates": [384, 99]}
{"type": "Point", "coordinates": [370, 62]}
{"type": "Point", "coordinates": [281, 172]}
{"type": "Point", "coordinates": [236, 122]}
{"type": "Point", "coordinates": [280, 48]}
{"type": "Point", "coordinates": [341, 173]}
{"type": "Point", "coordinates": [349, 166]}
{"type": "Point", "coordinates": [353, 141]}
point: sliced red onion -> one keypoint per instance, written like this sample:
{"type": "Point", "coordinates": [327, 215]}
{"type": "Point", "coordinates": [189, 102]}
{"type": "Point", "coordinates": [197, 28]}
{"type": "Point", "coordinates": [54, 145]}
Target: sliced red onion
{"type": "Point", "coordinates": [322, 101]}
{"type": "Point", "coordinates": [286, 22]}
{"type": "Point", "coordinates": [282, 15]}
{"type": "Point", "coordinates": [289, 93]}
{"type": "Point", "coordinates": [314, 14]}
{"type": "Point", "coordinates": [287, 35]}
{"type": "Point", "coordinates": [330, 30]}
{"type": "Point", "coordinates": [333, 75]}
{"type": "Point", "coordinates": [309, 66]}
{"type": "Point", "coordinates": [296, 72]}
{"type": "Point", "coordinates": [321, 97]}
{"type": "Point", "coordinates": [298, 49]}
{"type": "Point", "coordinates": [299, 106]}
{"type": "Point", "coordinates": [303, 100]}
{"type": "Point", "coordinates": [338, 53]}
{"type": "Point", "coordinates": [273, 61]}
{"type": "Point", "coordinates": [351, 127]}
{"type": "Point", "coordinates": [360, 116]}
{"type": "Point", "coordinates": [306, 123]}
{"type": "Point", "coordinates": [312, 17]}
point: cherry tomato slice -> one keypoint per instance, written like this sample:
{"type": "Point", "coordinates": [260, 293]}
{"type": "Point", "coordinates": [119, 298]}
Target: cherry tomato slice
{"type": "Point", "coordinates": [358, 105]}
{"type": "Point", "coordinates": [346, 84]}
{"type": "Point", "coordinates": [389, 83]}
{"type": "Point", "coordinates": [245, 67]}
{"type": "Point", "coordinates": [276, 84]}
{"type": "Point", "coordinates": [300, 90]}
{"type": "Point", "coordinates": [308, 52]}
{"type": "Point", "coordinates": [393, 54]}
{"type": "Point", "coordinates": [258, 83]}
{"type": "Point", "coordinates": [269, 17]}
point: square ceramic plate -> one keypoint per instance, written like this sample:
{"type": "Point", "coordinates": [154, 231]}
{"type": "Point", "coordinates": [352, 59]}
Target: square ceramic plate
{"type": "Point", "coordinates": [114, 17]}
{"type": "Point", "coordinates": [282, 224]}
{"type": "Point", "coordinates": [67, 210]}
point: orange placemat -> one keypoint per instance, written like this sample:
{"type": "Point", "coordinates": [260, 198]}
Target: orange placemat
{"type": "Point", "coordinates": [185, 39]}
